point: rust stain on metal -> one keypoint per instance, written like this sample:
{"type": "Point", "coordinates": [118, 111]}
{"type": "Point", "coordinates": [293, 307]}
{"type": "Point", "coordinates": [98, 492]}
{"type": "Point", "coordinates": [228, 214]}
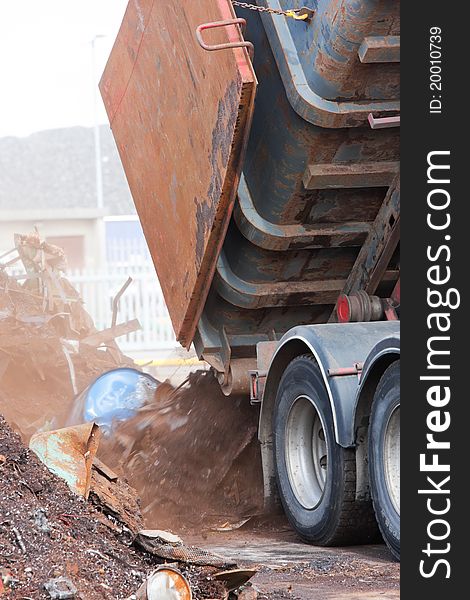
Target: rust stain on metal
{"type": "Point", "coordinates": [336, 57]}
{"type": "Point", "coordinates": [69, 453]}
{"type": "Point", "coordinates": [180, 117]}
{"type": "Point", "coordinates": [204, 219]}
{"type": "Point", "coordinates": [222, 139]}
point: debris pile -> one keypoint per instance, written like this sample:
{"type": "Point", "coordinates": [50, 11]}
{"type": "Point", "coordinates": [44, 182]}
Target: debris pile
{"type": "Point", "coordinates": [190, 453]}
{"type": "Point", "coordinates": [48, 532]}
{"type": "Point", "coordinates": [49, 346]}
{"type": "Point", "coordinates": [54, 544]}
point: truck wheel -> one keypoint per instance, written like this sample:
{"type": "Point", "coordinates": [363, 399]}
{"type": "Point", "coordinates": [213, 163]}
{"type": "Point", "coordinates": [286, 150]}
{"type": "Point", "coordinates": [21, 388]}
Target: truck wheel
{"type": "Point", "coordinates": [316, 477]}
{"type": "Point", "coordinates": [384, 456]}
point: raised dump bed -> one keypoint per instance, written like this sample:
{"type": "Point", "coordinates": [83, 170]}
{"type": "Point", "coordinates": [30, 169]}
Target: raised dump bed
{"type": "Point", "coordinates": [315, 175]}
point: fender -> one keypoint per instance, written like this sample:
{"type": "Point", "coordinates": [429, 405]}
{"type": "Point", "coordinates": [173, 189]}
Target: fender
{"type": "Point", "coordinates": [379, 358]}
{"type": "Point", "coordinates": [334, 346]}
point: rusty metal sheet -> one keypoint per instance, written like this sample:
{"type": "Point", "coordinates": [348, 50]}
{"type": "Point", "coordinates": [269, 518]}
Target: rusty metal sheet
{"type": "Point", "coordinates": [69, 453]}
{"type": "Point", "coordinates": [180, 116]}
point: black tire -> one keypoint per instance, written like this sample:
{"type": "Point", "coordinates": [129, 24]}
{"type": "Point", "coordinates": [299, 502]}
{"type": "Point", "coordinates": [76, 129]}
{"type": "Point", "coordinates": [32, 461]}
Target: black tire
{"type": "Point", "coordinates": [384, 456]}
{"type": "Point", "coordinates": [328, 516]}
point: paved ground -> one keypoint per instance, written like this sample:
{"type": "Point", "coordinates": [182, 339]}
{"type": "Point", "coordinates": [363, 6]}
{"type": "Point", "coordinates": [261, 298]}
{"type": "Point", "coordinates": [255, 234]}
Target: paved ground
{"type": "Point", "coordinates": [305, 572]}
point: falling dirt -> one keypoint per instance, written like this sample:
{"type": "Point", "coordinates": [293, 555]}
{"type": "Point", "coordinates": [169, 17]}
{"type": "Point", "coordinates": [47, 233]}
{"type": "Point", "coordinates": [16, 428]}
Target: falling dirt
{"type": "Point", "coordinates": [192, 454]}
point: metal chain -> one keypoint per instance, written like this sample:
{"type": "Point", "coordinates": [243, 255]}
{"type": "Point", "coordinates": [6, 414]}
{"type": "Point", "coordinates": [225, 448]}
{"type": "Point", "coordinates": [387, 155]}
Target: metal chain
{"type": "Point", "coordinates": [305, 14]}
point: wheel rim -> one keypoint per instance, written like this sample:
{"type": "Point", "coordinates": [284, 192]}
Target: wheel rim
{"type": "Point", "coordinates": [306, 452]}
{"type": "Point", "coordinates": [392, 457]}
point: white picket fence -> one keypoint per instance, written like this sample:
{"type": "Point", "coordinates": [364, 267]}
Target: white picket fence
{"type": "Point", "coordinates": [142, 300]}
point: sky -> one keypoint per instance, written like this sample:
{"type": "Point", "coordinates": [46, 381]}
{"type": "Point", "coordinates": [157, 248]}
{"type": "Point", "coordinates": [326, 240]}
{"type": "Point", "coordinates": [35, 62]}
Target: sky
{"type": "Point", "coordinates": [46, 62]}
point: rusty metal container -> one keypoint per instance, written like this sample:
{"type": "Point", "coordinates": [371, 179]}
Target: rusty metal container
{"type": "Point", "coordinates": [318, 198]}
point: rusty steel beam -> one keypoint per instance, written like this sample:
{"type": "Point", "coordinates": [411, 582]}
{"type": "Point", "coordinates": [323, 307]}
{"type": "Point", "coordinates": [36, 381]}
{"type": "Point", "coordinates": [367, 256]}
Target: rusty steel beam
{"type": "Point", "coordinates": [374, 256]}
{"type": "Point", "coordinates": [372, 261]}
{"type": "Point", "coordinates": [350, 175]}
{"type": "Point", "coordinates": [389, 248]}
{"type": "Point", "coordinates": [380, 49]}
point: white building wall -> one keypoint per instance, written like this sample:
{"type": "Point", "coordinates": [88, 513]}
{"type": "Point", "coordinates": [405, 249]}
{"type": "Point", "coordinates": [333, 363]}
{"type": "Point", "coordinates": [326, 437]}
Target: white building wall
{"type": "Point", "coordinates": [88, 228]}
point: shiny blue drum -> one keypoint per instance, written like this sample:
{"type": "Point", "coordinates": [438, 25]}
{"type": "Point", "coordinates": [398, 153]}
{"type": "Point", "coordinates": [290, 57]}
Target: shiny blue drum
{"type": "Point", "coordinates": [114, 396]}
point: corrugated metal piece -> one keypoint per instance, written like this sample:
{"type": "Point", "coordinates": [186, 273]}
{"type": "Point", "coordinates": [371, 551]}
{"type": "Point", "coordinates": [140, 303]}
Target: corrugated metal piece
{"type": "Point", "coordinates": [180, 116]}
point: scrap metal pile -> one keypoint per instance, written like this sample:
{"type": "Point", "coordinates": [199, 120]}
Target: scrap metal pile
{"type": "Point", "coordinates": [178, 449]}
{"type": "Point", "coordinates": [49, 346]}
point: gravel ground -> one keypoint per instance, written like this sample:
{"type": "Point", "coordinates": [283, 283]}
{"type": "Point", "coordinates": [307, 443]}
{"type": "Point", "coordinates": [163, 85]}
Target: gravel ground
{"type": "Point", "coordinates": [47, 532]}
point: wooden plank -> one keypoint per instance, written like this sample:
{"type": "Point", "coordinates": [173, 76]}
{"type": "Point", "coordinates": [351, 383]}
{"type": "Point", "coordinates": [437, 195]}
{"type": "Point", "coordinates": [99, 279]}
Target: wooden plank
{"type": "Point", "coordinates": [180, 116]}
{"type": "Point", "coordinates": [108, 335]}
{"type": "Point", "coordinates": [115, 498]}
{"type": "Point", "coordinates": [346, 175]}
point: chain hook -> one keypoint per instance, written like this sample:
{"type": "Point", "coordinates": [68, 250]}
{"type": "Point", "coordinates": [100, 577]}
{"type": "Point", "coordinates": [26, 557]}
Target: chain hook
{"type": "Point", "coordinates": [299, 14]}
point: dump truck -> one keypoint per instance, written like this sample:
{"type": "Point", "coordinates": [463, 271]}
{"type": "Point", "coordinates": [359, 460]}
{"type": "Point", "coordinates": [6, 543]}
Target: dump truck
{"type": "Point", "coordinates": [261, 145]}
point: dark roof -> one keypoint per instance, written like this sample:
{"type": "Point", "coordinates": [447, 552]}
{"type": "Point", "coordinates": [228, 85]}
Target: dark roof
{"type": "Point", "coordinates": [55, 169]}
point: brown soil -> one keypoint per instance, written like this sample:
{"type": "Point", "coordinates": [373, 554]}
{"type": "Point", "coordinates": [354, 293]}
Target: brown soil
{"type": "Point", "coordinates": [288, 568]}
